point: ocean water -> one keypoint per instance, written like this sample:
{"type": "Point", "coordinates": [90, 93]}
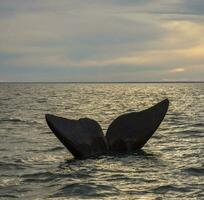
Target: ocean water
{"type": "Point", "coordinates": [35, 165]}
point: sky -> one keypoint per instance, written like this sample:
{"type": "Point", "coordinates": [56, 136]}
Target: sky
{"type": "Point", "coordinates": [101, 40]}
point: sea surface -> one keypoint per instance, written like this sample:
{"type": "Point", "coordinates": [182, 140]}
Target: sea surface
{"type": "Point", "coordinates": [35, 165]}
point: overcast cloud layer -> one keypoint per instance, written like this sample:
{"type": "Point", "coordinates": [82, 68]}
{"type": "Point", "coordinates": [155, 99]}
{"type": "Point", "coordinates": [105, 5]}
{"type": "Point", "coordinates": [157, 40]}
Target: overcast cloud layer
{"type": "Point", "coordinates": [95, 40]}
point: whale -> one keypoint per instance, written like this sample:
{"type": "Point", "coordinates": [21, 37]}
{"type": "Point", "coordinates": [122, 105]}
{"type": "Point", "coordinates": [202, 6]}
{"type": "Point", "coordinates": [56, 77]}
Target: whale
{"type": "Point", "coordinates": [129, 132]}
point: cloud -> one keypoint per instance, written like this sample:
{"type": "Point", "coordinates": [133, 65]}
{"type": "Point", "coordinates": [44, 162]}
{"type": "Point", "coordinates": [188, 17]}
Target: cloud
{"type": "Point", "coordinates": [111, 40]}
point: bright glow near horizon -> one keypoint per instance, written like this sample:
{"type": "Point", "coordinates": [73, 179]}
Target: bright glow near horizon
{"type": "Point", "coordinates": [93, 40]}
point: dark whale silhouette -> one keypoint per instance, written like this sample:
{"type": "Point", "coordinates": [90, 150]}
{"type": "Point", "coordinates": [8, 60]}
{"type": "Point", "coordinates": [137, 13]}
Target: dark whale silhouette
{"type": "Point", "coordinates": [84, 138]}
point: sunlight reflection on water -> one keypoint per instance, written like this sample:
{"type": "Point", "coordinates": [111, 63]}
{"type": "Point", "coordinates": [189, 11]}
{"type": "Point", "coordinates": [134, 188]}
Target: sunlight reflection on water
{"type": "Point", "coordinates": [34, 165]}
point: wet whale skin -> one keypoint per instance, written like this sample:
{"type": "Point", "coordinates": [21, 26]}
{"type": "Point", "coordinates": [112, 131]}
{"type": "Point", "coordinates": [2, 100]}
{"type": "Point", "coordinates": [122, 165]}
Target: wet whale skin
{"type": "Point", "coordinates": [84, 138]}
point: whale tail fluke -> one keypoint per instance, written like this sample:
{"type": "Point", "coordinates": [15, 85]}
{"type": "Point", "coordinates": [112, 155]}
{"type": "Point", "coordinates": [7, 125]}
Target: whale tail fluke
{"type": "Point", "coordinates": [131, 131]}
{"type": "Point", "coordinates": [84, 137]}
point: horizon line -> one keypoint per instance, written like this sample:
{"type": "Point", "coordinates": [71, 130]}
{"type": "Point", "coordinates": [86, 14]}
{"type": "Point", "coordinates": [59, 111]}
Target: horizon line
{"type": "Point", "coordinates": [97, 82]}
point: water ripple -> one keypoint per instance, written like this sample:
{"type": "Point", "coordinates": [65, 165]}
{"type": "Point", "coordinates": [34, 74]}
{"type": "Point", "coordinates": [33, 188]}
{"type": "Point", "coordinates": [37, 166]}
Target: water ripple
{"type": "Point", "coordinates": [34, 164]}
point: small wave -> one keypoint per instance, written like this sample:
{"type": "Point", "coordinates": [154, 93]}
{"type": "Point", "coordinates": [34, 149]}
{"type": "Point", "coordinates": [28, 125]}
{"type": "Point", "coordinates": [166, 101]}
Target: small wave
{"type": "Point", "coordinates": [40, 179]}
{"type": "Point", "coordinates": [11, 166]}
{"type": "Point", "coordinates": [91, 189]}
{"type": "Point", "coordinates": [194, 171]}
{"type": "Point", "coordinates": [43, 100]}
{"type": "Point", "coordinates": [168, 149]}
{"type": "Point", "coordinates": [116, 177]}
{"type": "Point", "coordinates": [198, 125]}
{"type": "Point", "coordinates": [17, 120]}
{"type": "Point", "coordinates": [5, 98]}
{"type": "Point", "coordinates": [130, 110]}
{"type": "Point", "coordinates": [46, 150]}
{"type": "Point", "coordinates": [46, 132]}
{"type": "Point", "coordinates": [194, 133]}
{"type": "Point", "coordinates": [43, 177]}
{"type": "Point", "coordinates": [54, 149]}
{"type": "Point", "coordinates": [169, 187]}
{"type": "Point", "coordinates": [38, 174]}
{"type": "Point", "coordinates": [11, 120]}
{"type": "Point", "coordinates": [3, 149]}
{"type": "Point", "coordinates": [8, 196]}
{"type": "Point", "coordinates": [13, 191]}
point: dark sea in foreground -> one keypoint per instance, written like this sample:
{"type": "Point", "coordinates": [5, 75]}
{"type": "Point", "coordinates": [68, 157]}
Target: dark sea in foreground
{"type": "Point", "coordinates": [35, 165]}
